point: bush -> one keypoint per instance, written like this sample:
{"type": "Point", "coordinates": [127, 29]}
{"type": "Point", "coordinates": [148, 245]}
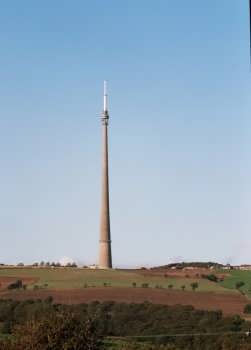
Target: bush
{"type": "Point", "coordinates": [49, 300]}
{"type": "Point", "coordinates": [16, 285]}
{"type": "Point", "coordinates": [194, 285]}
{"type": "Point", "coordinates": [239, 284]}
{"type": "Point", "coordinates": [211, 277]}
{"type": "Point", "coordinates": [247, 309]}
{"type": "Point", "coordinates": [158, 286]}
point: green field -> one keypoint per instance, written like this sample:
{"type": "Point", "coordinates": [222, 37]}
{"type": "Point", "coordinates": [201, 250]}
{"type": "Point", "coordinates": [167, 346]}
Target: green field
{"type": "Point", "coordinates": [65, 278]}
{"type": "Point", "coordinates": [238, 276]}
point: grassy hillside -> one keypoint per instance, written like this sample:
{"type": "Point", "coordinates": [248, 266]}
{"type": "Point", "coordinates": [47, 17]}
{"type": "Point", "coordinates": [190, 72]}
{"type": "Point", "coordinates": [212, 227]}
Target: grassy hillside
{"type": "Point", "coordinates": [64, 278]}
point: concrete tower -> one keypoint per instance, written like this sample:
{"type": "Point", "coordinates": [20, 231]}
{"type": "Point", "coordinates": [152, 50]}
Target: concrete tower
{"type": "Point", "coordinates": [105, 252]}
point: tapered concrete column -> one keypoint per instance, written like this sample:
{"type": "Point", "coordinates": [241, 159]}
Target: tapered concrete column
{"type": "Point", "coordinates": [105, 254]}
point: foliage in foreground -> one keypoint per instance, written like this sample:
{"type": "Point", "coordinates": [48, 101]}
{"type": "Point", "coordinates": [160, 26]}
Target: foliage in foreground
{"type": "Point", "coordinates": [44, 325]}
{"type": "Point", "coordinates": [60, 331]}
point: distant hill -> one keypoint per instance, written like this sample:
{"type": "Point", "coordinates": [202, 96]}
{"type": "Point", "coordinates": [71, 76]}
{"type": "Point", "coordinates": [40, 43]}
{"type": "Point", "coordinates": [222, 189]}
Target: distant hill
{"type": "Point", "coordinates": [194, 264]}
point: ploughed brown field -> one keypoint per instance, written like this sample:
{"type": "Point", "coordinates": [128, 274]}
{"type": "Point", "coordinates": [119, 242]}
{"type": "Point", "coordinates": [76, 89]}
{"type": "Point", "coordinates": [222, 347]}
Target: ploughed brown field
{"type": "Point", "coordinates": [228, 303]}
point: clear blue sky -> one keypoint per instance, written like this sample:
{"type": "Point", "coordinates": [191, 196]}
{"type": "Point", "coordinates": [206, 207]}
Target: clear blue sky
{"type": "Point", "coordinates": [180, 106]}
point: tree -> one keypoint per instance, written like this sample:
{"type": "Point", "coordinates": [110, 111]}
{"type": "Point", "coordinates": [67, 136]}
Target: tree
{"type": "Point", "coordinates": [158, 286]}
{"type": "Point", "coordinates": [211, 277]}
{"type": "Point", "coordinates": [134, 284]}
{"type": "Point", "coordinates": [247, 309]}
{"type": "Point", "coordinates": [194, 285]}
{"type": "Point", "coordinates": [16, 285]}
{"type": "Point", "coordinates": [170, 286]}
{"type": "Point", "coordinates": [237, 323]}
{"type": "Point", "coordinates": [239, 284]}
{"type": "Point", "coordinates": [183, 287]}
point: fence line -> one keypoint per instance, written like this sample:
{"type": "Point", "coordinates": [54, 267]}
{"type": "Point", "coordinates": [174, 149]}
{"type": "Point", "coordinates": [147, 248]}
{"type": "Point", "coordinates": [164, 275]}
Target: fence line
{"type": "Point", "coordinates": [246, 333]}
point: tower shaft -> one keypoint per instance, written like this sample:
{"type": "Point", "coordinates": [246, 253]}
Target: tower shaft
{"type": "Point", "coordinates": [105, 254]}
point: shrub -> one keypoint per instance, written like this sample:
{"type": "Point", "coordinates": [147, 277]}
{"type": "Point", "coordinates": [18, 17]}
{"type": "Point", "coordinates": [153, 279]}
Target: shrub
{"type": "Point", "coordinates": [16, 285]}
{"type": "Point", "coordinates": [106, 284]}
{"type": "Point", "coordinates": [49, 300]}
{"type": "Point", "coordinates": [247, 309]}
{"type": "Point", "coordinates": [211, 277]}
{"type": "Point", "coordinates": [158, 286]}
{"type": "Point", "coordinates": [239, 284]}
{"type": "Point", "coordinates": [194, 285]}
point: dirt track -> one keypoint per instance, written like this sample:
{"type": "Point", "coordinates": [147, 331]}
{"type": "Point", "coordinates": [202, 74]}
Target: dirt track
{"type": "Point", "coordinates": [228, 303]}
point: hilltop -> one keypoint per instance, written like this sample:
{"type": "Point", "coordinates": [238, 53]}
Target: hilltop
{"type": "Point", "coordinates": [204, 288]}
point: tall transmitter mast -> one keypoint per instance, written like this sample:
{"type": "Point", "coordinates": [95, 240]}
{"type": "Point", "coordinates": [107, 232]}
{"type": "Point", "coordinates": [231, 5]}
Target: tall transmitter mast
{"type": "Point", "coordinates": [105, 252]}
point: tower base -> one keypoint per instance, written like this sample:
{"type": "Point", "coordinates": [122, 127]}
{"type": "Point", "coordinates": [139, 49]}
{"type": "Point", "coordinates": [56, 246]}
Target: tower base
{"type": "Point", "coordinates": [105, 255]}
